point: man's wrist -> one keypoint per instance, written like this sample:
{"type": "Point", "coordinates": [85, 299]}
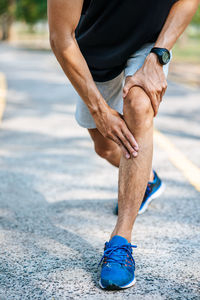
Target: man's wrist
{"type": "Point", "coordinates": [164, 42]}
{"type": "Point", "coordinates": [99, 108]}
{"type": "Point", "coordinates": [152, 58]}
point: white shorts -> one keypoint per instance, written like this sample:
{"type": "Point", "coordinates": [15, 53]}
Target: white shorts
{"type": "Point", "coordinates": [111, 90]}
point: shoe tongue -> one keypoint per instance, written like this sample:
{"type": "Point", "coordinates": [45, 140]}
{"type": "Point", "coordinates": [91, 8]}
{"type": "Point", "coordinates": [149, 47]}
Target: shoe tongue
{"type": "Point", "coordinates": [118, 240]}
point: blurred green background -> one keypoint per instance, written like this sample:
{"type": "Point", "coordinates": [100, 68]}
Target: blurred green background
{"type": "Point", "coordinates": [24, 22]}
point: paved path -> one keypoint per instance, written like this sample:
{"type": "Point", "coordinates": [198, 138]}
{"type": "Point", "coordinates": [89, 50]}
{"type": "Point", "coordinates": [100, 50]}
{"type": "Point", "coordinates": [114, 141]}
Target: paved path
{"type": "Point", "coordinates": [57, 196]}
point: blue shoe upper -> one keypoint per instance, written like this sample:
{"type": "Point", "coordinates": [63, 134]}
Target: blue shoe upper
{"type": "Point", "coordinates": [152, 187]}
{"type": "Point", "coordinates": [118, 264]}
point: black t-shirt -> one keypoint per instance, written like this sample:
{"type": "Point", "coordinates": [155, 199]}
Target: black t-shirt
{"type": "Point", "coordinates": [110, 31]}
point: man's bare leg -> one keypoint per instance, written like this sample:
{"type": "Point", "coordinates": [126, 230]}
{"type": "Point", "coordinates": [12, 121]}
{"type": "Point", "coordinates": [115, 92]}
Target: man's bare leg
{"type": "Point", "coordinates": [134, 173]}
{"type": "Point", "coordinates": [108, 149]}
{"type": "Point", "coordinates": [105, 148]}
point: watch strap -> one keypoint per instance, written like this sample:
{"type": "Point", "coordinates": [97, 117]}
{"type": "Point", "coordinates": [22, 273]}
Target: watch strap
{"type": "Point", "coordinates": [159, 52]}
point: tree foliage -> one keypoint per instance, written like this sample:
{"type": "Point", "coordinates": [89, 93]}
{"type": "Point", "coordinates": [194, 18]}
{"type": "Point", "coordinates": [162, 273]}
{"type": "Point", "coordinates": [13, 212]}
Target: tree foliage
{"type": "Point", "coordinates": [7, 14]}
{"type": "Point", "coordinates": [7, 7]}
{"type": "Point", "coordinates": [31, 11]}
{"type": "Point", "coordinates": [196, 18]}
{"type": "Point", "coordinates": [3, 6]}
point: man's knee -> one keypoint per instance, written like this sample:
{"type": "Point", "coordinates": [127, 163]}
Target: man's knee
{"type": "Point", "coordinates": [137, 106]}
{"type": "Point", "coordinates": [138, 102]}
{"type": "Point", "coordinates": [103, 151]}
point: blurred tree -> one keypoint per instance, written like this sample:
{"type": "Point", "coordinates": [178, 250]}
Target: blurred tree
{"type": "Point", "coordinates": [196, 18]}
{"type": "Point", "coordinates": [31, 11]}
{"type": "Point", "coordinates": [7, 12]}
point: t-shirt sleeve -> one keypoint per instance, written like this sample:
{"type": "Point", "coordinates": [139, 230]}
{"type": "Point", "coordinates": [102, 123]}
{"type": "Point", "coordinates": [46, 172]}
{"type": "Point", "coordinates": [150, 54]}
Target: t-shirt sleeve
{"type": "Point", "coordinates": [86, 4]}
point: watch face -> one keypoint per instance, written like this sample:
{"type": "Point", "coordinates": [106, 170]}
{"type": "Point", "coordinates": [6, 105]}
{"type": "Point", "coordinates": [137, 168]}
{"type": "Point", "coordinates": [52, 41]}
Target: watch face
{"type": "Point", "coordinates": [165, 57]}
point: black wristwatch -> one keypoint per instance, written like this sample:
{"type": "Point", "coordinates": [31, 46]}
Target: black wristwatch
{"type": "Point", "coordinates": [163, 55]}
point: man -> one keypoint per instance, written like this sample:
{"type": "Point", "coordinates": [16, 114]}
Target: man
{"type": "Point", "coordinates": [117, 40]}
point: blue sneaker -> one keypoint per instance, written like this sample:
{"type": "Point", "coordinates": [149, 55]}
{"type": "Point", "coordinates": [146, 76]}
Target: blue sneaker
{"type": "Point", "coordinates": [118, 265]}
{"type": "Point", "coordinates": [154, 189]}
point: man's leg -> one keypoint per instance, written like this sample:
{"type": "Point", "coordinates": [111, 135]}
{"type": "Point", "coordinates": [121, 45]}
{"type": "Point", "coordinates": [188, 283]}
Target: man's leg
{"type": "Point", "coordinates": [108, 149]}
{"type": "Point", "coordinates": [134, 173]}
{"type": "Point", "coordinates": [105, 148]}
{"type": "Point", "coordinates": [118, 265]}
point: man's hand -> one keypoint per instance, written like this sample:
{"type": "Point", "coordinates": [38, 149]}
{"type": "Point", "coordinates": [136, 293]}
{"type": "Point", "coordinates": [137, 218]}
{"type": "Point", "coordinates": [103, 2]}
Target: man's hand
{"type": "Point", "coordinates": [151, 78]}
{"type": "Point", "coordinates": [112, 126]}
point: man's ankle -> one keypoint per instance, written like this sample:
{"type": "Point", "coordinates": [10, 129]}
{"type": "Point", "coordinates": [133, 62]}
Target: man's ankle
{"type": "Point", "coordinates": [151, 176]}
{"type": "Point", "coordinates": [125, 234]}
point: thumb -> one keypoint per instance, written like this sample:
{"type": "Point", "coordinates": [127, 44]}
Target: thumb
{"type": "Point", "coordinates": [127, 87]}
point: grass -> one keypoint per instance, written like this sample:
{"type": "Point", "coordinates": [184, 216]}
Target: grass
{"type": "Point", "coordinates": [187, 52]}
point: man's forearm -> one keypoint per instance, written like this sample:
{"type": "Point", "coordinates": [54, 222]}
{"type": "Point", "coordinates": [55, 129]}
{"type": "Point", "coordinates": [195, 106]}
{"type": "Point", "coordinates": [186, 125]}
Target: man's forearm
{"type": "Point", "coordinates": [76, 69]}
{"type": "Point", "coordinates": [178, 19]}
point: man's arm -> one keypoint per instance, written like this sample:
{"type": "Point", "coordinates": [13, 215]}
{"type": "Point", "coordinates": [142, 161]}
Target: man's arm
{"type": "Point", "coordinates": [178, 19]}
{"type": "Point", "coordinates": [150, 76]}
{"type": "Point", "coordinates": [63, 16]}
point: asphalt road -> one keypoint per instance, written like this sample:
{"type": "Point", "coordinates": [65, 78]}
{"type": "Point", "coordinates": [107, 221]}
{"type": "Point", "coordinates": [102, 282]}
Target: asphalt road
{"type": "Point", "coordinates": [57, 197]}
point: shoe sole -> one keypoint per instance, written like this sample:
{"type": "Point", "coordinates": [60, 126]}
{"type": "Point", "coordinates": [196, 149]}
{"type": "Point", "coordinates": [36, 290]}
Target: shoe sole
{"type": "Point", "coordinates": [152, 197]}
{"type": "Point", "coordinates": [116, 287]}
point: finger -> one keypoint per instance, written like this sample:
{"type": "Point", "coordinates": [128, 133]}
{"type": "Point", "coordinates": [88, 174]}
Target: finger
{"type": "Point", "coordinates": [127, 145]}
{"type": "Point", "coordinates": [120, 144]}
{"type": "Point", "coordinates": [125, 152]}
{"type": "Point", "coordinates": [128, 135]}
{"type": "Point", "coordinates": [126, 88]}
{"type": "Point", "coordinates": [154, 103]}
{"type": "Point", "coordinates": [163, 88]}
{"type": "Point", "coordinates": [163, 91]}
{"type": "Point", "coordinates": [162, 94]}
{"type": "Point", "coordinates": [159, 97]}
{"type": "Point", "coordinates": [155, 110]}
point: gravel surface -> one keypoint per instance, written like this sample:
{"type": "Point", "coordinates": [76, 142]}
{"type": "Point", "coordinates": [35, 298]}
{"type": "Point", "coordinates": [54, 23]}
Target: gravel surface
{"type": "Point", "coordinates": [57, 197]}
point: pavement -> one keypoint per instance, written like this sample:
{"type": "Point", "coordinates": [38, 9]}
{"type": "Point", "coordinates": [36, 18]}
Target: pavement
{"type": "Point", "coordinates": [57, 196]}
